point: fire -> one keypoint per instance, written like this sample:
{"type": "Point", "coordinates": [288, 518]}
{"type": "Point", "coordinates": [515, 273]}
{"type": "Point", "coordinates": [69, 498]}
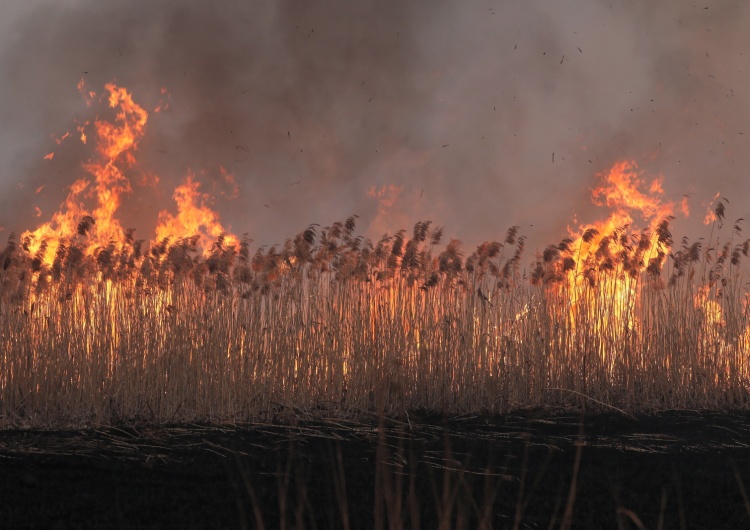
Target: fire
{"type": "Point", "coordinates": [89, 96]}
{"type": "Point", "coordinates": [711, 213]}
{"type": "Point", "coordinates": [601, 272]}
{"type": "Point", "coordinates": [62, 138]}
{"type": "Point", "coordinates": [685, 207]}
{"type": "Point", "coordinates": [89, 212]}
{"type": "Point", "coordinates": [398, 323]}
{"type": "Point", "coordinates": [597, 268]}
{"type": "Point", "coordinates": [621, 191]}
{"type": "Point", "coordinates": [193, 217]}
{"type": "Point", "coordinates": [597, 317]}
{"type": "Point", "coordinates": [709, 307]}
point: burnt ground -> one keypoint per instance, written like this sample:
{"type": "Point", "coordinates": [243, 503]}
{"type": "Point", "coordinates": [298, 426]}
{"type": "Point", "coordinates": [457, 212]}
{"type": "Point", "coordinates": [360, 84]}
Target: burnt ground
{"type": "Point", "coordinates": [671, 470]}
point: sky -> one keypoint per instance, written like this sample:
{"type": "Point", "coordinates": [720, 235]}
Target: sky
{"type": "Point", "coordinates": [477, 115]}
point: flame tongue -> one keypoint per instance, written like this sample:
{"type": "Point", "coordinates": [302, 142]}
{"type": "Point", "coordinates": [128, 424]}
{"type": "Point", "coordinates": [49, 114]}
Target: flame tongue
{"type": "Point", "coordinates": [598, 266]}
{"type": "Point", "coordinates": [116, 145]}
{"type": "Point", "coordinates": [621, 190]}
{"type": "Point", "coordinates": [114, 154]}
{"type": "Point", "coordinates": [193, 217]}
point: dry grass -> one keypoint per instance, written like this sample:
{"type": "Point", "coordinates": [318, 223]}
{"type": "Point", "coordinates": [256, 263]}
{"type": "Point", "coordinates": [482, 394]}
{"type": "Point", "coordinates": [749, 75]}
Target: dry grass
{"type": "Point", "coordinates": [334, 322]}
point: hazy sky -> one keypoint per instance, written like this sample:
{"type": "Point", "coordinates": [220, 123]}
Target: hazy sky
{"type": "Point", "coordinates": [458, 106]}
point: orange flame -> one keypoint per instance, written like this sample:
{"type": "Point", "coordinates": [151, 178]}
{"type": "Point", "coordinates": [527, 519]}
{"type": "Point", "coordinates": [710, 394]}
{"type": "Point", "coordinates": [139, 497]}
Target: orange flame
{"type": "Point", "coordinates": [708, 306]}
{"type": "Point", "coordinates": [621, 191]}
{"type": "Point", "coordinates": [115, 144]}
{"type": "Point", "coordinates": [597, 249]}
{"type": "Point", "coordinates": [684, 207]}
{"type": "Point", "coordinates": [710, 216]}
{"type": "Point", "coordinates": [62, 138]}
{"type": "Point", "coordinates": [88, 95]}
{"type": "Point", "coordinates": [193, 217]}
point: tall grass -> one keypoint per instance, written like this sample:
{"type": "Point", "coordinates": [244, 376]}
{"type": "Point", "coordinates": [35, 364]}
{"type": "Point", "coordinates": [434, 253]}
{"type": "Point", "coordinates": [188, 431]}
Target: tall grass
{"type": "Point", "coordinates": [335, 323]}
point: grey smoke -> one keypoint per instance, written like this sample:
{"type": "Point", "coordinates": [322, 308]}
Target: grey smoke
{"type": "Point", "coordinates": [461, 105]}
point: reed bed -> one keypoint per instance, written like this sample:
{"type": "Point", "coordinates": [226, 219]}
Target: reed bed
{"type": "Point", "coordinates": [333, 323]}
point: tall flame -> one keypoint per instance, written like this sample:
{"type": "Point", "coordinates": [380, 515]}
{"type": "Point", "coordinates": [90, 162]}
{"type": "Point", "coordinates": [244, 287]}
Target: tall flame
{"type": "Point", "coordinates": [621, 191]}
{"type": "Point", "coordinates": [610, 254]}
{"type": "Point", "coordinates": [114, 149]}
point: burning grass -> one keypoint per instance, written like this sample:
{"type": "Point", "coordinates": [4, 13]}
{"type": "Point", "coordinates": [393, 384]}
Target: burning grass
{"type": "Point", "coordinates": [97, 327]}
{"type": "Point", "coordinates": [332, 321]}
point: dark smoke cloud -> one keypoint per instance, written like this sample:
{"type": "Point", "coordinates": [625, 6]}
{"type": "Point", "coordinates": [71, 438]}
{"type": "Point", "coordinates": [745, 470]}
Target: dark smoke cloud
{"type": "Point", "coordinates": [460, 105]}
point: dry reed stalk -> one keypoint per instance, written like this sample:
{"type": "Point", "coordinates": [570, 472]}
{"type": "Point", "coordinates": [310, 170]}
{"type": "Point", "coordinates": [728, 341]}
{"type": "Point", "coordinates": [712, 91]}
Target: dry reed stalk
{"type": "Point", "coordinates": [331, 321]}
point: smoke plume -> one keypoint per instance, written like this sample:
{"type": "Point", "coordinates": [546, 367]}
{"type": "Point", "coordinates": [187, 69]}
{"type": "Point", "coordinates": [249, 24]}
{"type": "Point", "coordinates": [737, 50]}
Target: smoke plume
{"type": "Point", "coordinates": [477, 115]}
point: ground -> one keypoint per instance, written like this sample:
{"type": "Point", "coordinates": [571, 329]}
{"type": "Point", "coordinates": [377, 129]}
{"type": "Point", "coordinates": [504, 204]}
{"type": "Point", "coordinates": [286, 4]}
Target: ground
{"type": "Point", "coordinates": [682, 469]}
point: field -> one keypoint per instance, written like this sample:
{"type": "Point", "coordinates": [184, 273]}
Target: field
{"type": "Point", "coordinates": [332, 321]}
{"type": "Point", "coordinates": [335, 380]}
{"type": "Point", "coordinates": [337, 383]}
{"type": "Point", "coordinates": [196, 325]}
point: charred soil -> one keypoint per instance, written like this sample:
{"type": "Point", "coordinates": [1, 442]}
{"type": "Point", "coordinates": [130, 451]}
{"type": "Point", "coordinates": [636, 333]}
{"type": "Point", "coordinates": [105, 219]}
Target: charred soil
{"type": "Point", "coordinates": [535, 469]}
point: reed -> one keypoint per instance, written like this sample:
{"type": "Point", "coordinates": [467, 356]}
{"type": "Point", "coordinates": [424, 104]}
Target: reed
{"type": "Point", "coordinates": [333, 323]}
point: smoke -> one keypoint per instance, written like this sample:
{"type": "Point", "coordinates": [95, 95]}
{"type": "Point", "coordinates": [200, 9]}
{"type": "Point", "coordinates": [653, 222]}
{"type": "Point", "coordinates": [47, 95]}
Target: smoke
{"type": "Point", "coordinates": [477, 115]}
